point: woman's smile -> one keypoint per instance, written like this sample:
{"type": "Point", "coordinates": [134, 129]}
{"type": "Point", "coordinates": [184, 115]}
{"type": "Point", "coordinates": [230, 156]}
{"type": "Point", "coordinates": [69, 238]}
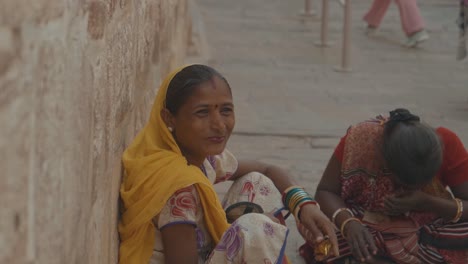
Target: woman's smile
{"type": "Point", "coordinates": [217, 139]}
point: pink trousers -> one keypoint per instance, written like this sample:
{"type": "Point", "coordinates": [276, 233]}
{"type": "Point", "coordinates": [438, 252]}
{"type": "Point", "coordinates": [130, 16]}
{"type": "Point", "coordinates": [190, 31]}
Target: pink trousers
{"type": "Point", "coordinates": [410, 16]}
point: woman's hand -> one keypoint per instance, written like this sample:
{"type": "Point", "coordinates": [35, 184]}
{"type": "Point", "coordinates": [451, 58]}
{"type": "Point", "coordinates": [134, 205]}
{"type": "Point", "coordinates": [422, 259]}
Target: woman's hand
{"type": "Point", "coordinates": [360, 241]}
{"type": "Point", "coordinates": [409, 201]}
{"type": "Point", "coordinates": [318, 226]}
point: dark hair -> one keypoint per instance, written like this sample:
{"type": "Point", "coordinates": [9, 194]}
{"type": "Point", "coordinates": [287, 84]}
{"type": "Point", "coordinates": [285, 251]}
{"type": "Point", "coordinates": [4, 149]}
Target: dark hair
{"type": "Point", "coordinates": [412, 150]}
{"type": "Point", "coordinates": [183, 83]}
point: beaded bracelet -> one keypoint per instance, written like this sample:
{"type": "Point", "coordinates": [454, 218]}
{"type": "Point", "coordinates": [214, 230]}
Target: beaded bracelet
{"type": "Point", "coordinates": [338, 211]}
{"type": "Point", "coordinates": [343, 225]}
{"type": "Point", "coordinates": [459, 210]}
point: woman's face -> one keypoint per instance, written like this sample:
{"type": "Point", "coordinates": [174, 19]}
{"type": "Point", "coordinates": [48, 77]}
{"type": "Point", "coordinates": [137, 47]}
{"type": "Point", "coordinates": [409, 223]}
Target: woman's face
{"type": "Point", "coordinates": [203, 124]}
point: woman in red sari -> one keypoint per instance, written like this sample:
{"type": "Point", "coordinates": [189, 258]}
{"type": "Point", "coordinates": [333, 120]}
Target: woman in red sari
{"type": "Point", "coordinates": [385, 189]}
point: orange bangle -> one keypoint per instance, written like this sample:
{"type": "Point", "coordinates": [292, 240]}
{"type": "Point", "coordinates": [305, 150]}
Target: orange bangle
{"type": "Point", "coordinates": [345, 222]}
{"type": "Point", "coordinates": [459, 210]}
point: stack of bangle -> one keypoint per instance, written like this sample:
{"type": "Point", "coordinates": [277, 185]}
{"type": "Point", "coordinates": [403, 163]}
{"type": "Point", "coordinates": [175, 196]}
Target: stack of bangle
{"type": "Point", "coordinates": [343, 225]}
{"type": "Point", "coordinates": [294, 198]}
{"type": "Point", "coordinates": [338, 211]}
{"type": "Point", "coordinates": [459, 210]}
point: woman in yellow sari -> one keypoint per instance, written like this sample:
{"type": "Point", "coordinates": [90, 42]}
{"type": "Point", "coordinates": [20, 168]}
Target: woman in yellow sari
{"type": "Point", "coordinates": [171, 211]}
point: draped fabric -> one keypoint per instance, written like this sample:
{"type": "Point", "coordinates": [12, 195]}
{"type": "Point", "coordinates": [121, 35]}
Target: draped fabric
{"type": "Point", "coordinates": [154, 170]}
{"type": "Point", "coordinates": [366, 182]}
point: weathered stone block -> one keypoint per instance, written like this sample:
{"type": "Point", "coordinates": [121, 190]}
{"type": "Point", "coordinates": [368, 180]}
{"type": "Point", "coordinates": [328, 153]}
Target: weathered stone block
{"type": "Point", "coordinates": [77, 81]}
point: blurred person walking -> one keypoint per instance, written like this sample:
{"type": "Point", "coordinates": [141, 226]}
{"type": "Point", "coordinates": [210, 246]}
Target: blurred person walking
{"type": "Point", "coordinates": [411, 20]}
{"type": "Point", "coordinates": [463, 25]}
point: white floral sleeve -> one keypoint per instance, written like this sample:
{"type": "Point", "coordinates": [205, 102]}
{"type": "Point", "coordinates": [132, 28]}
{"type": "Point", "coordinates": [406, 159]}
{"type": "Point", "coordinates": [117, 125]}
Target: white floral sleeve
{"type": "Point", "coordinates": [182, 207]}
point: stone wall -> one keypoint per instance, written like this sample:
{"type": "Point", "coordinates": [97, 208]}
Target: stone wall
{"type": "Point", "coordinates": [77, 80]}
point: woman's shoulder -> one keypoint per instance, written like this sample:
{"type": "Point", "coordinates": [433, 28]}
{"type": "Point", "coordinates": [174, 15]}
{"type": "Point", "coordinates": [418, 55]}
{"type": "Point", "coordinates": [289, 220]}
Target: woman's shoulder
{"type": "Point", "coordinates": [225, 161]}
{"type": "Point", "coordinates": [454, 169]}
{"type": "Point", "coordinates": [448, 137]}
{"type": "Point", "coordinates": [186, 196]}
{"type": "Point", "coordinates": [446, 133]}
{"type": "Point", "coordinates": [370, 123]}
{"type": "Point", "coordinates": [223, 165]}
{"type": "Point", "coordinates": [182, 206]}
{"type": "Point", "coordinates": [369, 129]}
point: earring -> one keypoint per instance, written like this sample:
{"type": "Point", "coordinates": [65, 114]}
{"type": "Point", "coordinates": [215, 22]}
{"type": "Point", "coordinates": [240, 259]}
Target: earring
{"type": "Point", "coordinates": [170, 129]}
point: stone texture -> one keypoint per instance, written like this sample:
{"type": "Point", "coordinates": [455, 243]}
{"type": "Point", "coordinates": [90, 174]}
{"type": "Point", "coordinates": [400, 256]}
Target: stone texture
{"type": "Point", "coordinates": [77, 80]}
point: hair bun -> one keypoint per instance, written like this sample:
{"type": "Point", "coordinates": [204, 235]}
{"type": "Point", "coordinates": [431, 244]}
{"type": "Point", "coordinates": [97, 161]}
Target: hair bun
{"type": "Point", "coordinates": [403, 115]}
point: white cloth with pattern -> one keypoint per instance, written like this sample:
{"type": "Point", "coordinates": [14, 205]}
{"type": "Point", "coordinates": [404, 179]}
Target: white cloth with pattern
{"type": "Point", "coordinates": [253, 238]}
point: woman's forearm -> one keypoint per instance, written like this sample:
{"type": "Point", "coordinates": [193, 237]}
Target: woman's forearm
{"type": "Point", "coordinates": [281, 178]}
{"type": "Point", "coordinates": [445, 208]}
{"type": "Point", "coordinates": [329, 203]}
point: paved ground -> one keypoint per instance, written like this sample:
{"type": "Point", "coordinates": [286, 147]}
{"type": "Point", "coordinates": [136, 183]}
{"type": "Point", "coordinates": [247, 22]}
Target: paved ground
{"type": "Point", "coordinates": [291, 105]}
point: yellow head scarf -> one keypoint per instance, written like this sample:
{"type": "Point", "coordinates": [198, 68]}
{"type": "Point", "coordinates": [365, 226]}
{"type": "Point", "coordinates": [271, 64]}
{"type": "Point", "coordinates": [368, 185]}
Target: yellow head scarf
{"type": "Point", "coordinates": [155, 169]}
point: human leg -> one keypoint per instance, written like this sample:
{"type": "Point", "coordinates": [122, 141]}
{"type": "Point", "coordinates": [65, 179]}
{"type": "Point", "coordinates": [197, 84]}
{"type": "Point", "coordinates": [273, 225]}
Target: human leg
{"type": "Point", "coordinates": [412, 22]}
{"type": "Point", "coordinates": [376, 13]}
{"type": "Point", "coordinates": [411, 19]}
{"type": "Point", "coordinates": [463, 35]}
{"type": "Point", "coordinates": [257, 238]}
{"type": "Point", "coordinates": [256, 188]}
{"type": "Point", "coordinates": [253, 238]}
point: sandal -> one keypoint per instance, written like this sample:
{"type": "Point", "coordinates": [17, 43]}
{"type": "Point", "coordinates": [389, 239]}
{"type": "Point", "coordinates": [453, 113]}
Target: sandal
{"type": "Point", "coordinates": [236, 210]}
